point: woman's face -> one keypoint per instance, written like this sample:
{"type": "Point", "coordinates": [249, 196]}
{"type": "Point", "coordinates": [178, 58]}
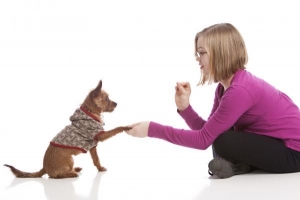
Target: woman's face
{"type": "Point", "coordinates": [202, 56]}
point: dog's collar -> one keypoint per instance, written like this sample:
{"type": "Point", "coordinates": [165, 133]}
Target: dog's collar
{"type": "Point", "coordinates": [89, 113]}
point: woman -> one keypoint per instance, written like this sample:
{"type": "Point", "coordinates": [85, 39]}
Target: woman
{"type": "Point", "coordinates": [251, 125]}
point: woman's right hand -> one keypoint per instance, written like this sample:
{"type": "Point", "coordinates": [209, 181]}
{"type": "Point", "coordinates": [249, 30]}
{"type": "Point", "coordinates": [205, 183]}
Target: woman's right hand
{"type": "Point", "coordinates": [182, 95]}
{"type": "Point", "coordinates": [139, 129]}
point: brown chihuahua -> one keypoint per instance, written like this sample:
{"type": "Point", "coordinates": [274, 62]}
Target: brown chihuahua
{"type": "Point", "coordinates": [81, 135]}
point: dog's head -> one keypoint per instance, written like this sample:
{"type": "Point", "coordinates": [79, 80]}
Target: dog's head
{"type": "Point", "coordinates": [101, 99]}
{"type": "Point", "coordinates": [98, 101]}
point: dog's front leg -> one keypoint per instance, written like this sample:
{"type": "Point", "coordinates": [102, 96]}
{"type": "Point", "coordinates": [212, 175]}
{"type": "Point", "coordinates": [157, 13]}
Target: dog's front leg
{"type": "Point", "coordinates": [108, 134]}
{"type": "Point", "coordinates": [96, 160]}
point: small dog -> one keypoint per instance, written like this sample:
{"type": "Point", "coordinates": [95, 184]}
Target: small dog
{"type": "Point", "coordinates": [81, 135]}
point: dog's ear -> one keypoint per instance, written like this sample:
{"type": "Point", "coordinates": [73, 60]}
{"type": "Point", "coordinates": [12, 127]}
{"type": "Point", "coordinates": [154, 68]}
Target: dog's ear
{"type": "Point", "coordinates": [97, 90]}
{"type": "Point", "coordinates": [99, 86]}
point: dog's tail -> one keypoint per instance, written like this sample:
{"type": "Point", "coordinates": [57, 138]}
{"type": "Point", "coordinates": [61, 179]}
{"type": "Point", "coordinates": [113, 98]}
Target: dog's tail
{"type": "Point", "coordinates": [21, 174]}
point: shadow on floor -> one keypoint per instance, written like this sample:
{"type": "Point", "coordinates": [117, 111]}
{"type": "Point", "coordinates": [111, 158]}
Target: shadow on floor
{"type": "Point", "coordinates": [56, 189]}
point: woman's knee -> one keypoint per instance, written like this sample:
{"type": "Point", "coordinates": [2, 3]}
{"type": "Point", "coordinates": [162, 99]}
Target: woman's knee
{"type": "Point", "coordinates": [223, 142]}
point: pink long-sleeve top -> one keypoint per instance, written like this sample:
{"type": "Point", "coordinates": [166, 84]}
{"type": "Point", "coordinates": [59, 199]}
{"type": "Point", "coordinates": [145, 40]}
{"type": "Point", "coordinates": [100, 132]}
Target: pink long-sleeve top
{"type": "Point", "coordinates": [250, 104]}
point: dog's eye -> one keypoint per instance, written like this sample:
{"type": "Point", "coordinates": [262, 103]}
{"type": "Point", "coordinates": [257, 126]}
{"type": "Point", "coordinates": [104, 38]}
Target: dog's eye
{"type": "Point", "coordinates": [106, 99]}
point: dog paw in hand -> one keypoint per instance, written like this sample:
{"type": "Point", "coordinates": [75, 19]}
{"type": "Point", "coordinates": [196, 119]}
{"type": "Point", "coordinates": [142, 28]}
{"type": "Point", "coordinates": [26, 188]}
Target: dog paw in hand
{"type": "Point", "coordinates": [127, 128]}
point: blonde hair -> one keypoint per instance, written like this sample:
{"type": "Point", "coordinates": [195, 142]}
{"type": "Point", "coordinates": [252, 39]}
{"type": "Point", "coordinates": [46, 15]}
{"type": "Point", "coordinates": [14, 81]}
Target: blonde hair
{"type": "Point", "coordinates": [226, 50]}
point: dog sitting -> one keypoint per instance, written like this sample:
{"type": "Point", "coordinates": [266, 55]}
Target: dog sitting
{"type": "Point", "coordinates": [82, 135]}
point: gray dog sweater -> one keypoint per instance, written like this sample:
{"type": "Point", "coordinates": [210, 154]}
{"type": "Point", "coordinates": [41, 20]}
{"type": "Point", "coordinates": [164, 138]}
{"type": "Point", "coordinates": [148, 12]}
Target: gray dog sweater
{"type": "Point", "coordinates": [81, 133]}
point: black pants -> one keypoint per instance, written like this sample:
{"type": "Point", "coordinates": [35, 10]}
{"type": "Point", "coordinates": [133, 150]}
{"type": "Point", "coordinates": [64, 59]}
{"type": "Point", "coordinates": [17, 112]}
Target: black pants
{"type": "Point", "coordinates": [259, 151]}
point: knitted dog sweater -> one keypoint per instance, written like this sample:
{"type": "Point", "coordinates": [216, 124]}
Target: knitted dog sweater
{"type": "Point", "coordinates": [81, 133]}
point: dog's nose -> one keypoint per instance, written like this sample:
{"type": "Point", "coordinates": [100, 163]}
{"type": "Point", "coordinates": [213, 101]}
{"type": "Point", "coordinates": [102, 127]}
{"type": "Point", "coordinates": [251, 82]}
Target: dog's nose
{"type": "Point", "coordinates": [115, 104]}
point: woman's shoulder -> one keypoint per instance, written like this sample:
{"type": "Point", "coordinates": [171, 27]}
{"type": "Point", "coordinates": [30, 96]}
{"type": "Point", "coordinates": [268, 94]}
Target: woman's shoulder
{"type": "Point", "coordinates": [254, 85]}
{"type": "Point", "coordinates": [246, 79]}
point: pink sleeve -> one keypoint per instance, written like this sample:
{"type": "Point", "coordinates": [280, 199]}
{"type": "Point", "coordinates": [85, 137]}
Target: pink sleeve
{"type": "Point", "coordinates": [233, 104]}
{"type": "Point", "coordinates": [192, 119]}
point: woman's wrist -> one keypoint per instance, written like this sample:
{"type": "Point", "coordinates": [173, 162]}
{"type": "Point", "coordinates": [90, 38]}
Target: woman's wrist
{"type": "Point", "coordinates": [182, 108]}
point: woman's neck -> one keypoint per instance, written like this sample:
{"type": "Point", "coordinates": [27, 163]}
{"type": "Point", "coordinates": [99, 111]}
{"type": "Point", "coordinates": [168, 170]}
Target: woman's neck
{"type": "Point", "coordinates": [227, 82]}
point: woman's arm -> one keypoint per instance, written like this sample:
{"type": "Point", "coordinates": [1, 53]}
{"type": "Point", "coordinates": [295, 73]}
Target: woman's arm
{"type": "Point", "coordinates": [191, 118]}
{"type": "Point", "coordinates": [233, 104]}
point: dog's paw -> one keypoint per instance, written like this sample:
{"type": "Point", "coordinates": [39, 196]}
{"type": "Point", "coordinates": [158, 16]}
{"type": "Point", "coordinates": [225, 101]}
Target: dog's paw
{"type": "Point", "coordinates": [77, 169]}
{"type": "Point", "coordinates": [127, 128]}
{"type": "Point", "coordinates": [101, 169]}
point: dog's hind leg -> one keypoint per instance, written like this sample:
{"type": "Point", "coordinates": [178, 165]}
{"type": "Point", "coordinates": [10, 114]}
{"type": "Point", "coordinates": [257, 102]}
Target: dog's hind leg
{"type": "Point", "coordinates": [58, 162]}
{"type": "Point", "coordinates": [68, 175]}
{"type": "Point", "coordinates": [64, 172]}
{"type": "Point", "coordinates": [96, 160]}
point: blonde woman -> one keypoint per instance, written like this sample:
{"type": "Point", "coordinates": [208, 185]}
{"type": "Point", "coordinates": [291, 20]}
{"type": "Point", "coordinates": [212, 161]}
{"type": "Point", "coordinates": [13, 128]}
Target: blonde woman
{"type": "Point", "coordinates": [251, 125]}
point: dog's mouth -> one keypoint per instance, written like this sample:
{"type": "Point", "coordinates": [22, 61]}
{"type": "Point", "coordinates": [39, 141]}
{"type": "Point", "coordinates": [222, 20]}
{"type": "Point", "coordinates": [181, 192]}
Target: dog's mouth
{"type": "Point", "coordinates": [109, 110]}
{"type": "Point", "coordinates": [111, 106]}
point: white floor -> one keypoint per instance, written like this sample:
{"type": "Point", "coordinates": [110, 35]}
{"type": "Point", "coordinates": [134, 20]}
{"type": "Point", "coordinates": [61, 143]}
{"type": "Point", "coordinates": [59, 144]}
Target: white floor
{"type": "Point", "coordinates": [141, 172]}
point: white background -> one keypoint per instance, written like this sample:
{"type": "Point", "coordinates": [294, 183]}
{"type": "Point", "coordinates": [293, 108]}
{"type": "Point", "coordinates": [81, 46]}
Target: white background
{"type": "Point", "coordinates": [52, 53]}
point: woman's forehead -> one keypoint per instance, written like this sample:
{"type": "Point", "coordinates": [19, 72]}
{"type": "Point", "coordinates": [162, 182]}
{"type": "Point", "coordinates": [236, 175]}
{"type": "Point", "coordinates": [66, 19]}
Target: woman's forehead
{"type": "Point", "coordinates": [200, 43]}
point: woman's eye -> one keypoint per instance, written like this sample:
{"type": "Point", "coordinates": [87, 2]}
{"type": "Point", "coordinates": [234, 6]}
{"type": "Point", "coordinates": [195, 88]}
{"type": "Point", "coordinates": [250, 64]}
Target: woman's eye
{"type": "Point", "coordinates": [199, 54]}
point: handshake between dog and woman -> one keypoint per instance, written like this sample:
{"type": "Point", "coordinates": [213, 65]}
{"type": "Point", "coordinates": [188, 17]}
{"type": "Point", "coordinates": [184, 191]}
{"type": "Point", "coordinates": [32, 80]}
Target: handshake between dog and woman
{"type": "Point", "coordinates": [81, 136]}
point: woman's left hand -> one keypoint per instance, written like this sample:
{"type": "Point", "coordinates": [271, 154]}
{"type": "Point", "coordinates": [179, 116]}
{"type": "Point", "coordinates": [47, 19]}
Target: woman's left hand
{"type": "Point", "coordinates": [182, 95]}
{"type": "Point", "coordinates": [139, 129]}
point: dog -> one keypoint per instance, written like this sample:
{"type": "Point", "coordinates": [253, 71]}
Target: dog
{"type": "Point", "coordinates": [82, 135]}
